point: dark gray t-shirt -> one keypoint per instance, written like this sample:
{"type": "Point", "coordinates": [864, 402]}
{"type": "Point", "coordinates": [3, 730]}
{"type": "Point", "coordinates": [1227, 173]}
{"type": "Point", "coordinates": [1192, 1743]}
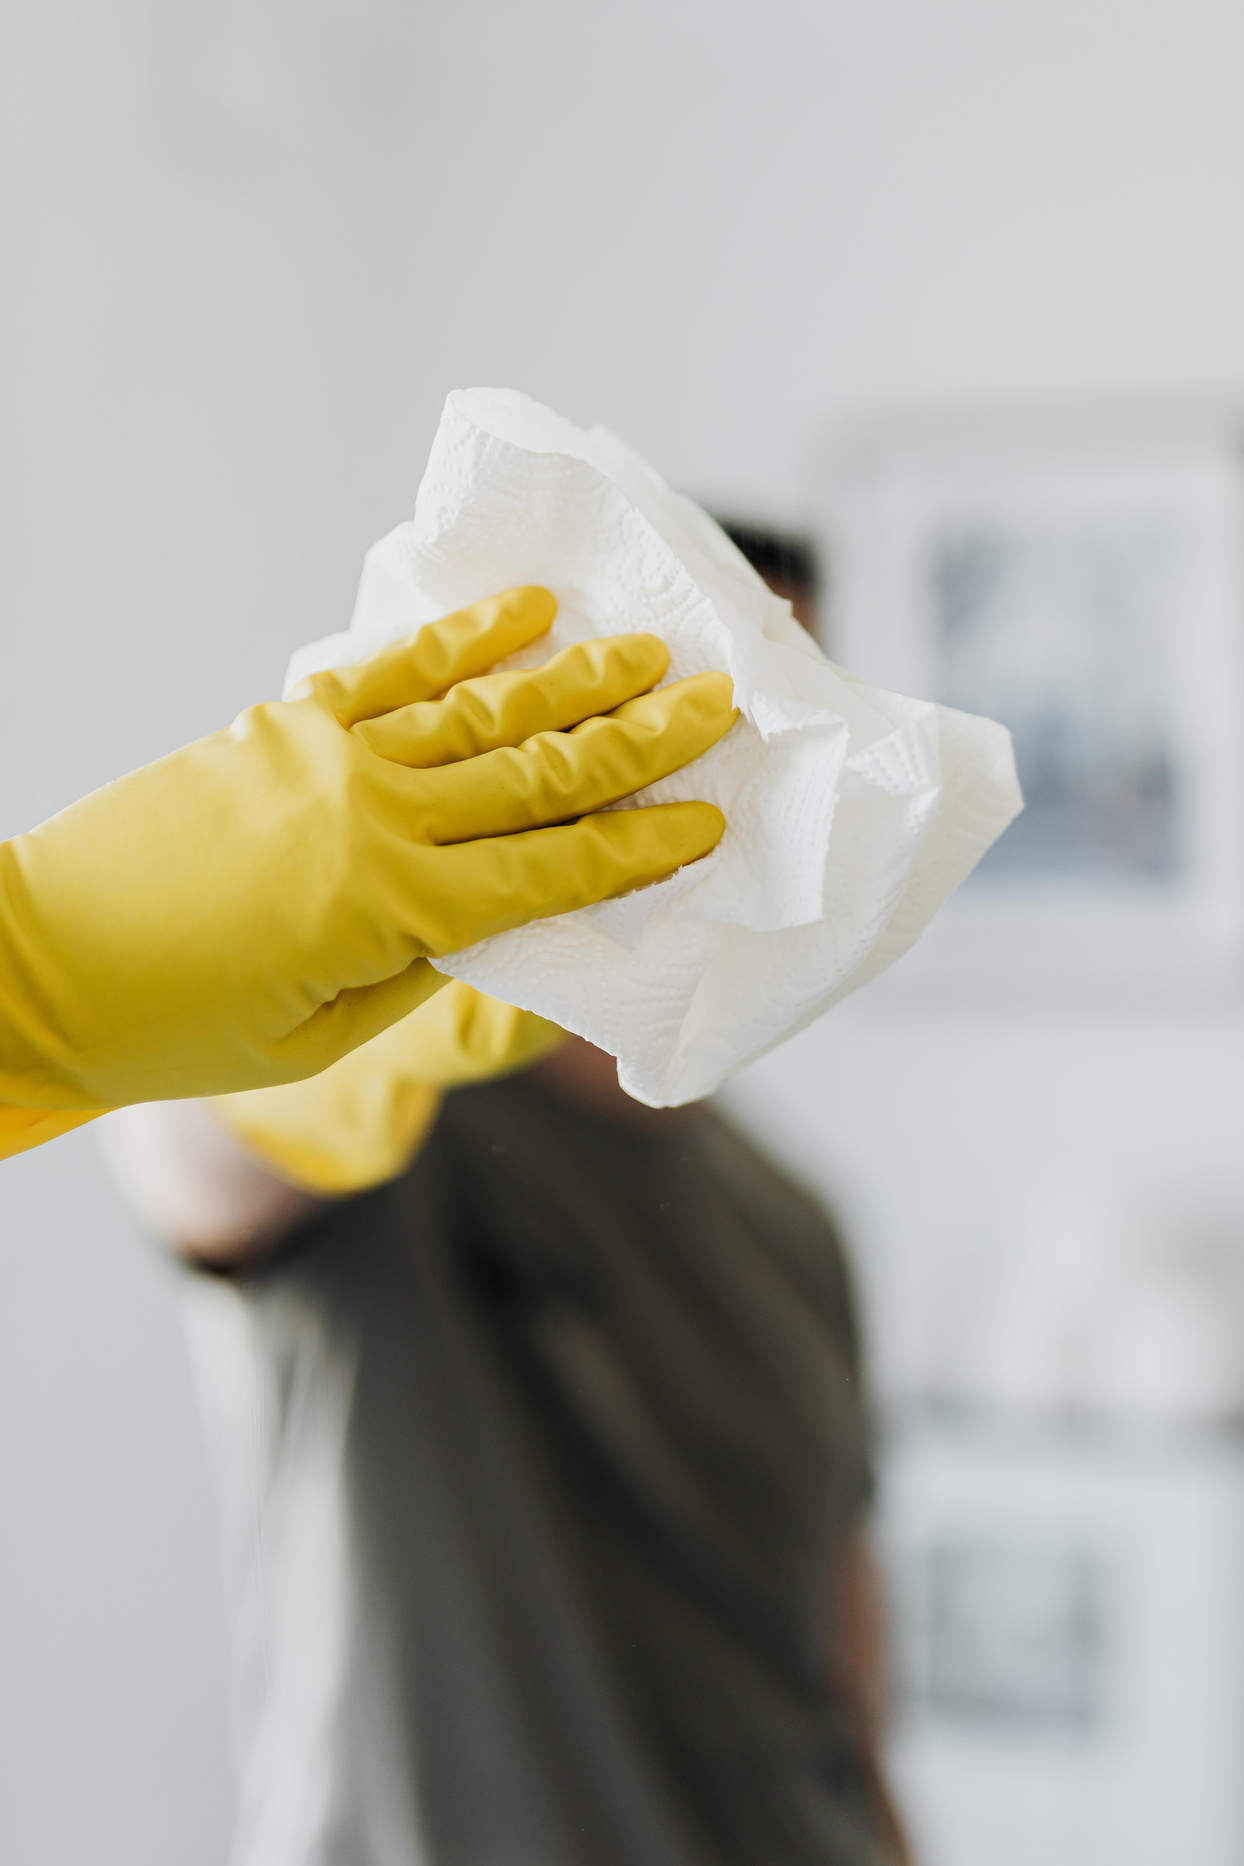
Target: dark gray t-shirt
{"type": "Point", "coordinates": [533, 1463]}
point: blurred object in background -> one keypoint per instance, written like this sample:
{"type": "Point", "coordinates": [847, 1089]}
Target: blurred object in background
{"type": "Point", "coordinates": [1064, 1526]}
{"type": "Point", "coordinates": [1064, 1511]}
{"type": "Point", "coordinates": [1078, 573]}
{"type": "Point", "coordinates": [1070, 1625]}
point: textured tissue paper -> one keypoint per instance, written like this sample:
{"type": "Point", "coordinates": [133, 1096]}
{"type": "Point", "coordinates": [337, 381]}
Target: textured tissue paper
{"type": "Point", "coordinates": [851, 814]}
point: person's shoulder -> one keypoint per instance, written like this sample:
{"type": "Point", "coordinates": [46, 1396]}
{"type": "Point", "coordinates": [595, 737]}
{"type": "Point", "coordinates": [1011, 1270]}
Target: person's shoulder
{"type": "Point", "coordinates": [756, 1174]}
{"type": "Point", "coordinates": [790, 1218]}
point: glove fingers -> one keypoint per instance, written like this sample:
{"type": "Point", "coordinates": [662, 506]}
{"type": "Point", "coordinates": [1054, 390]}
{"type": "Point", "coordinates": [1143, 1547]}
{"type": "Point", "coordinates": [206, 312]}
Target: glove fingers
{"type": "Point", "coordinates": [496, 710]}
{"type": "Point", "coordinates": [557, 775]}
{"type": "Point", "coordinates": [490, 886]}
{"type": "Point", "coordinates": [455, 648]}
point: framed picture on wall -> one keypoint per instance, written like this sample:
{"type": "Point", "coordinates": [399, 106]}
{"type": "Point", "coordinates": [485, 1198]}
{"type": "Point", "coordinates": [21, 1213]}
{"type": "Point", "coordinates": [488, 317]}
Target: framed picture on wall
{"type": "Point", "coordinates": [1079, 575]}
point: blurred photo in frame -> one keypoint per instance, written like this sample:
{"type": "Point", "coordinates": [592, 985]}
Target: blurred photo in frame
{"type": "Point", "coordinates": [1078, 574]}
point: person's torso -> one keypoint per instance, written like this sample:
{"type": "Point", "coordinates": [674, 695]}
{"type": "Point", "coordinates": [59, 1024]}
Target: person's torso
{"type": "Point", "coordinates": [549, 1443]}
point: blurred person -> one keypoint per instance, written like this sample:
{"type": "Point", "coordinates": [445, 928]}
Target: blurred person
{"type": "Point", "coordinates": [544, 1470]}
{"type": "Point", "coordinates": [544, 1463]}
{"type": "Point", "coordinates": [252, 907]}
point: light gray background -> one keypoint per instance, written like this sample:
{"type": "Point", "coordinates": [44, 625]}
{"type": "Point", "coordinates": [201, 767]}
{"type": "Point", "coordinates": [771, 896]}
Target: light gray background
{"type": "Point", "coordinates": [248, 248]}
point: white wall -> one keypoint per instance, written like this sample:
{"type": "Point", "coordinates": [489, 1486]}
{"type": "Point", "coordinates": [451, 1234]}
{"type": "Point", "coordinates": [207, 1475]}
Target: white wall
{"type": "Point", "coordinates": [249, 246]}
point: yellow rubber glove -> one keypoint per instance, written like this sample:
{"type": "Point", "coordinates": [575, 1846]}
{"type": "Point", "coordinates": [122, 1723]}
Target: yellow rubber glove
{"type": "Point", "coordinates": [22, 1128]}
{"type": "Point", "coordinates": [256, 905]}
{"type": "Point", "coordinates": [361, 1121]}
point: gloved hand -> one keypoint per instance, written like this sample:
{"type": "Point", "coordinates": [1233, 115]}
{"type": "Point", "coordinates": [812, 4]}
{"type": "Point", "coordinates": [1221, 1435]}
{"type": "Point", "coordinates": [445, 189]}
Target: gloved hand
{"type": "Point", "coordinates": [256, 905]}
{"type": "Point", "coordinates": [360, 1121]}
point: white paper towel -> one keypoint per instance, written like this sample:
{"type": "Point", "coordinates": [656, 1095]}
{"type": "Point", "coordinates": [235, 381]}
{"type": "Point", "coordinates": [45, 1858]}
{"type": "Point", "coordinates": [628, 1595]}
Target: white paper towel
{"type": "Point", "coordinates": [851, 814]}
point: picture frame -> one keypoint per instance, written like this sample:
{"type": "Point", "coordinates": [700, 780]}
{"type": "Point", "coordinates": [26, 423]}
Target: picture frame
{"type": "Point", "coordinates": [1078, 573]}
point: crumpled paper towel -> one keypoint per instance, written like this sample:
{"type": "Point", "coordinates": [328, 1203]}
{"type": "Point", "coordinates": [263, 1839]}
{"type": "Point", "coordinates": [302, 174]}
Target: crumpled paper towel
{"type": "Point", "coordinates": [851, 814]}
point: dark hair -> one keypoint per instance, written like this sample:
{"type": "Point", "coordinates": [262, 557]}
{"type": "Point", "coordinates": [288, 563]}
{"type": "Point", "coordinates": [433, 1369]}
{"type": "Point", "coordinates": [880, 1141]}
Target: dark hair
{"type": "Point", "coordinates": [777, 556]}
